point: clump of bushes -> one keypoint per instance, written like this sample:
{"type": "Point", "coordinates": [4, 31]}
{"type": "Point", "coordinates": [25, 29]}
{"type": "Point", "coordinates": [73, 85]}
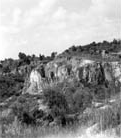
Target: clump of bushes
{"type": "Point", "coordinates": [102, 92]}
{"type": "Point", "coordinates": [55, 101]}
{"type": "Point", "coordinates": [10, 85]}
{"type": "Point", "coordinates": [78, 97]}
{"type": "Point", "coordinates": [82, 99]}
{"type": "Point", "coordinates": [24, 108]}
{"type": "Point", "coordinates": [60, 101]}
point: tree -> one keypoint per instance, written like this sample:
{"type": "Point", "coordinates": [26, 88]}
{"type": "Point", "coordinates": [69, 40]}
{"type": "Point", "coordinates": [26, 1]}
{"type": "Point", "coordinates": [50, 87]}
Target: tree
{"type": "Point", "coordinates": [43, 57]}
{"type": "Point", "coordinates": [93, 43]}
{"type": "Point", "coordinates": [22, 56]}
{"type": "Point", "coordinates": [6, 69]}
{"type": "Point", "coordinates": [73, 48]}
{"type": "Point", "coordinates": [1, 66]}
{"type": "Point", "coordinates": [33, 57]}
{"type": "Point", "coordinates": [40, 57]}
{"type": "Point", "coordinates": [53, 54]}
{"type": "Point", "coordinates": [115, 41]}
{"type": "Point", "coordinates": [28, 59]}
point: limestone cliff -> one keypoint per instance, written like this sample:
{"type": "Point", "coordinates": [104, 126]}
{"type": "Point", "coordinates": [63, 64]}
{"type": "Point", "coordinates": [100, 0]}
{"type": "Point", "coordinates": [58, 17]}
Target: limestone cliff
{"type": "Point", "coordinates": [85, 71]}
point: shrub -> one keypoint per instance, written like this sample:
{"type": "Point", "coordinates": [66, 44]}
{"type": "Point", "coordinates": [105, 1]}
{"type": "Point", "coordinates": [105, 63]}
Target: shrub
{"type": "Point", "coordinates": [81, 99]}
{"type": "Point", "coordinates": [10, 85]}
{"type": "Point", "coordinates": [24, 108]}
{"type": "Point", "coordinates": [56, 102]}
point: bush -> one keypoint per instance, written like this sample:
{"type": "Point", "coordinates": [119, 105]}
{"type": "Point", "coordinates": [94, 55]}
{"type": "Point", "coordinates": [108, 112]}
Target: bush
{"type": "Point", "coordinates": [24, 108]}
{"type": "Point", "coordinates": [81, 99]}
{"type": "Point", "coordinates": [10, 85]}
{"type": "Point", "coordinates": [103, 92]}
{"type": "Point", "coordinates": [27, 110]}
{"type": "Point", "coordinates": [56, 102]}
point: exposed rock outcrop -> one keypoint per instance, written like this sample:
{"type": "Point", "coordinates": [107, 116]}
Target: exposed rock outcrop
{"type": "Point", "coordinates": [85, 71]}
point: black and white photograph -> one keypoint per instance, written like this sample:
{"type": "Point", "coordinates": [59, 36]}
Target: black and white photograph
{"type": "Point", "coordinates": [60, 68]}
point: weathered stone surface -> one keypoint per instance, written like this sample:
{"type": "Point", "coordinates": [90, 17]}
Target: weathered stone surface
{"type": "Point", "coordinates": [85, 71]}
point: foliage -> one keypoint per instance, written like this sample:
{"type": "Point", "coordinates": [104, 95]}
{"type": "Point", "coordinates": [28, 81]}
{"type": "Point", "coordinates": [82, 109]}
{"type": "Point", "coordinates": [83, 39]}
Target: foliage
{"type": "Point", "coordinates": [94, 48]}
{"type": "Point", "coordinates": [56, 102]}
{"type": "Point", "coordinates": [10, 85]}
{"type": "Point", "coordinates": [6, 69]}
{"type": "Point", "coordinates": [105, 91]}
{"type": "Point", "coordinates": [82, 99]}
{"type": "Point", "coordinates": [24, 108]}
{"type": "Point", "coordinates": [53, 54]}
{"type": "Point", "coordinates": [22, 56]}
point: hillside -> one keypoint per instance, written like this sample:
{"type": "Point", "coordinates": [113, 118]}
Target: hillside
{"type": "Point", "coordinates": [95, 50]}
{"type": "Point", "coordinates": [77, 90]}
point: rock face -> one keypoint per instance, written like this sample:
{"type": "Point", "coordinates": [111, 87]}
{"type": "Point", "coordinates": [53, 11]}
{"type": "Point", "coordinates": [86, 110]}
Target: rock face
{"type": "Point", "coordinates": [91, 73]}
{"type": "Point", "coordinates": [34, 83]}
{"type": "Point", "coordinates": [116, 69]}
{"type": "Point", "coordinates": [85, 71]}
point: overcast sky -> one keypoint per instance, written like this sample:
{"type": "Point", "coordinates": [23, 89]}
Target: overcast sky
{"type": "Point", "coordinates": [43, 26]}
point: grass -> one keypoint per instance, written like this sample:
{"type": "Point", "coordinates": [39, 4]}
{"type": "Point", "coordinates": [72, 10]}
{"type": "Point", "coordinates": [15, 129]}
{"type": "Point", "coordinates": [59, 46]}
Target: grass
{"type": "Point", "coordinates": [106, 118]}
{"type": "Point", "coordinates": [17, 131]}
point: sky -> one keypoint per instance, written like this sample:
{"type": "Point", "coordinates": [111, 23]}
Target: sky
{"type": "Point", "coordinates": [43, 26]}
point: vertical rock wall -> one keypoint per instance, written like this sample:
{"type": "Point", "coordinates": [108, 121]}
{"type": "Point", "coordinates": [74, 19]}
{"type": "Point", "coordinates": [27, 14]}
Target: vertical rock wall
{"type": "Point", "coordinates": [85, 71]}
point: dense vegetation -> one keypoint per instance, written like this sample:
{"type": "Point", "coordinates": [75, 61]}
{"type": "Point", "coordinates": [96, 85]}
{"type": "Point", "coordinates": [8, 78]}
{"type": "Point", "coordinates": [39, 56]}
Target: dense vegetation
{"type": "Point", "coordinates": [93, 49]}
{"type": "Point", "coordinates": [66, 105]}
{"type": "Point", "coordinates": [10, 85]}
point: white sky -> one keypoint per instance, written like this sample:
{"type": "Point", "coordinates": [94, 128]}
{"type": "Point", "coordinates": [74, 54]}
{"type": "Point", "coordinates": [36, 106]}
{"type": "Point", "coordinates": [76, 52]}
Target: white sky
{"type": "Point", "coordinates": [44, 26]}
